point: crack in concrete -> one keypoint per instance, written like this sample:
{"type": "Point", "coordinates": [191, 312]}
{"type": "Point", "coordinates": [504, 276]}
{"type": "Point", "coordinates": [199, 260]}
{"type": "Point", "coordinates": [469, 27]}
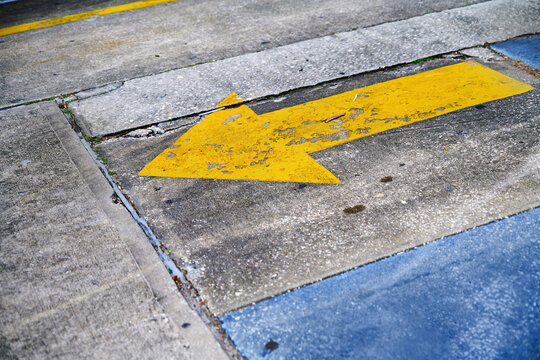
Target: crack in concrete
{"type": "Point", "coordinates": [202, 114]}
{"type": "Point", "coordinates": [194, 300]}
{"type": "Point", "coordinates": [125, 134]}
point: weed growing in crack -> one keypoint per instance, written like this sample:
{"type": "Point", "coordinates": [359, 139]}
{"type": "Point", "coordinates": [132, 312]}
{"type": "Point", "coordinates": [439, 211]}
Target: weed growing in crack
{"type": "Point", "coordinates": [92, 139]}
{"type": "Point", "coordinates": [423, 60]}
{"type": "Point", "coordinates": [68, 113]}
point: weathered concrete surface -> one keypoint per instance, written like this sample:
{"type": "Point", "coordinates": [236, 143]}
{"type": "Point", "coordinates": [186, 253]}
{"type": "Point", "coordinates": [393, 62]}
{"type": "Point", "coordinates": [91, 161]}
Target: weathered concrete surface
{"type": "Point", "coordinates": [85, 54]}
{"type": "Point", "coordinates": [26, 11]}
{"type": "Point", "coordinates": [71, 286]}
{"type": "Point", "coordinates": [475, 295]}
{"type": "Point", "coordinates": [243, 241]}
{"type": "Point", "coordinates": [187, 91]}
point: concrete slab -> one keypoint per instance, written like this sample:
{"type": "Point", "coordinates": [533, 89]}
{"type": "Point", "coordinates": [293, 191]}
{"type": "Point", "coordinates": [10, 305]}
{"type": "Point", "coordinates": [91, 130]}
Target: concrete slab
{"type": "Point", "coordinates": [200, 88]}
{"type": "Point", "coordinates": [472, 295]}
{"type": "Point", "coordinates": [243, 241]}
{"type": "Point", "coordinates": [94, 52]}
{"type": "Point", "coordinates": [74, 284]}
{"type": "Point", "coordinates": [525, 49]}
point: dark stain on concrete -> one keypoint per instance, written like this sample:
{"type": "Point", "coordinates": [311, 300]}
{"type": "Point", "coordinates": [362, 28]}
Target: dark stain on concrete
{"type": "Point", "coordinates": [354, 209]}
{"type": "Point", "coordinates": [271, 345]}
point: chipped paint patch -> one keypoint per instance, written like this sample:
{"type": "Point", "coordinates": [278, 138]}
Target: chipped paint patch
{"type": "Point", "coordinates": [355, 113]}
{"type": "Point", "coordinates": [364, 130]}
{"type": "Point", "coordinates": [215, 166]}
{"type": "Point", "coordinates": [284, 132]}
{"type": "Point", "coordinates": [275, 146]}
{"type": "Point", "coordinates": [232, 118]}
{"type": "Point", "coordinates": [341, 135]}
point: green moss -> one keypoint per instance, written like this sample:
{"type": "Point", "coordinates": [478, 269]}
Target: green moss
{"type": "Point", "coordinates": [423, 60]}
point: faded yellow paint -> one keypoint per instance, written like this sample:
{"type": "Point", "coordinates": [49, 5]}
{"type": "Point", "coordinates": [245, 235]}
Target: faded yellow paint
{"type": "Point", "coordinates": [76, 17]}
{"type": "Point", "coordinates": [238, 144]}
{"type": "Point", "coordinates": [232, 99]}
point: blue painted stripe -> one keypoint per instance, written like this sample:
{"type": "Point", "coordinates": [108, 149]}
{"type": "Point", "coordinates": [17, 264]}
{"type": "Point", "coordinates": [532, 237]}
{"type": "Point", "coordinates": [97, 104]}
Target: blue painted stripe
{"type": "Point", "coordinates": [471, 295]}
{"type": "Point", "coordinates": [525, 49]}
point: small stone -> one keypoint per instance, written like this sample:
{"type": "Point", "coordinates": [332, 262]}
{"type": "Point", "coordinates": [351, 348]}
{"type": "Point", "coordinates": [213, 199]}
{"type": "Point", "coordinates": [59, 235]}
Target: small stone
{"type": "Point", "coordinates": [156, 130]}
{"type": "Point", "coordinates": [139, 133]}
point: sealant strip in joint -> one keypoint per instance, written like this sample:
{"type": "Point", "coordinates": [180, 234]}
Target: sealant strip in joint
{"type": "Point", "coordinates": [173, 270]}
{"type": "Point", "coordinates": [167, 261]}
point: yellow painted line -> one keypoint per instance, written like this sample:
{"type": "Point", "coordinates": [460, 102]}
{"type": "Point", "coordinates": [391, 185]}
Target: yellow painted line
{"type": "Point", "coordinates": [76, 17]}
{"type": "Point", "coordinates": [237, 144]}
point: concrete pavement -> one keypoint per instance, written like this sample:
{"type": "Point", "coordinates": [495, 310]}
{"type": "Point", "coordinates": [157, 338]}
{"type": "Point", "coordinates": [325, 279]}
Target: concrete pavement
{"type": "Point", "coordinates": [79, 278]}
{"type": "Point", "coordinates": [243, 241]}
{"type": "Point", "coordinates": [99, 51]}
{"type": "Point", "coordinates": [99, 261]}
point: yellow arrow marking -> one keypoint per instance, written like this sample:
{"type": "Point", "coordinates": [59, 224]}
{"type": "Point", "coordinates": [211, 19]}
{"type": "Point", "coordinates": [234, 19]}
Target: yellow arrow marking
{"type": "Point", "coordinates": [237, 144]}
{"type": "Point", "coordinates": [76, 17]}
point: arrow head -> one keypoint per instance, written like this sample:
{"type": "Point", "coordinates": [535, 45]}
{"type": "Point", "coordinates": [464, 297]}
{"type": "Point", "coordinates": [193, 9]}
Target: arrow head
{"type": "Point", "coordinates": [234, 144]}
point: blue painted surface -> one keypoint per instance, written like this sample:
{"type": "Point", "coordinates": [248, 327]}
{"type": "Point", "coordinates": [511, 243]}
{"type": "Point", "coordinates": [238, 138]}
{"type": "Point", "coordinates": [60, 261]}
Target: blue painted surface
{"type": "Point", "coordinates": [471, 295]}
{"type": "Point", "coordinates": [523, 49]}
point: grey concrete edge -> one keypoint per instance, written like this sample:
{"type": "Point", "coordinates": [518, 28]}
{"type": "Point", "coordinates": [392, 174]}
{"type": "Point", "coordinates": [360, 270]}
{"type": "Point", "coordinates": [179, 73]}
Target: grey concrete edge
{"type": "Point", "coordinates": [193, 90]}
{"type": "Point", "coordinates": [202, 343]}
